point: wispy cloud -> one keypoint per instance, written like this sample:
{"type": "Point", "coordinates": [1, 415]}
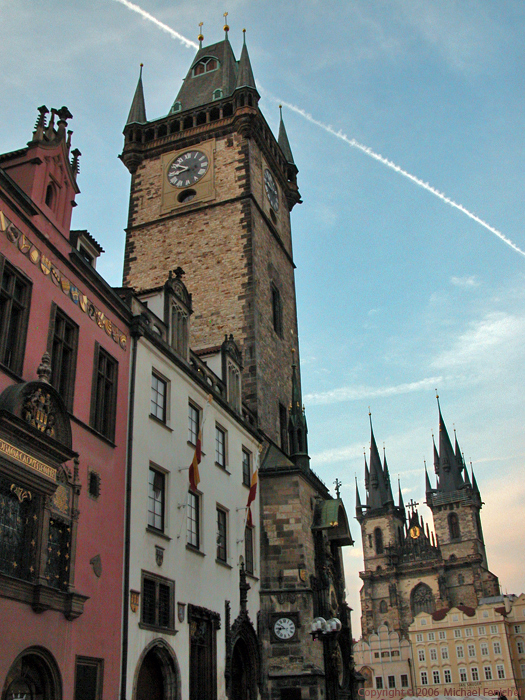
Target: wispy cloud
{"type": "Point", "coordinates": [355, 393]}
{"type": "Point", "coordinates": [465, 282]}
{"type": "Point", "coordinates": [476, 348]}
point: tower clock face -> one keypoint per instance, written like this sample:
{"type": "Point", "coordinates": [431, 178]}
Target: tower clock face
{"type": "Point", "coordinates": [271, 190]}
{"type": "Point", "coordinates": [284, 628]}
{"type": "Point", "coordinates": [187, 169]}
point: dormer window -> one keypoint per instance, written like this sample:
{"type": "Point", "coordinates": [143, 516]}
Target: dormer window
{"type": "Point", "coordinates": [177, 107]}
{"type": "Point", "coordinates": [86, 255]}
{"type": "Point", "coordinates": [217, 94]}
{"type": "Point", "coordinates": [205, 65]}
{"type": "Point", "coordinates": [179, 330]}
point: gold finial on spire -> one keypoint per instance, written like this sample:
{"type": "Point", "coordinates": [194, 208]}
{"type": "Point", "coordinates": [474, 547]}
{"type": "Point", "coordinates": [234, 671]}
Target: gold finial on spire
{"type": "Point", "coordinates": [226, 27]}
{"type": "Point", "coordinates": [200, 37]}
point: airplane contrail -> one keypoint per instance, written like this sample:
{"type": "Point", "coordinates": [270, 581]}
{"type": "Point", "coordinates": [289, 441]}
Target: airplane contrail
{"type": "Point", "coordinates": [425, 185]}
{"type": "Point", "coordinates": [340, 135]}
{"type": "Point", "coordinates": [146, 15]}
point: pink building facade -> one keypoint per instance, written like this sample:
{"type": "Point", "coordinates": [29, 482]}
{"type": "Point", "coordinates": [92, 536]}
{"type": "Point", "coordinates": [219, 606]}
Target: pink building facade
{"type": "Point", "coordinates": [64, 372]}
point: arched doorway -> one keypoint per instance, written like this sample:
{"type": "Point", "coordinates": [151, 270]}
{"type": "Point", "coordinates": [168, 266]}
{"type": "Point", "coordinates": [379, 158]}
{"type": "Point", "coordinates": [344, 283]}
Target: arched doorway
{"type": "Point", "coordinates": [33, 676]}
{"type": "Point", "coordinates": [241, 686]}
{"type": "Point", "coordinates": [157, 676]}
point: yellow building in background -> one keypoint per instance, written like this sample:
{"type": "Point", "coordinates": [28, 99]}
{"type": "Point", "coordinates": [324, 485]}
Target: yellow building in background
{"type": "Point", "coordinates": [464, 650]}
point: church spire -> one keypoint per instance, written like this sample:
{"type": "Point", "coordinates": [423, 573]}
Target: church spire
{"type": "Point", "coordinates": [449, 466]}
{"type": "Point", "coordinates": [377, 492]}
{"type": "Point", "coordinates": [428, 486]}
{"type": "Point", "coordinates": [245, 77]}
{"type": "Point", "coordinates": [297, 428]}
{"type": "Point", "coordinates": [137, 113]}
{"type": "Point", "coordinates": [386, 475]}
{"type": "Point", "coordinates": [400, 502]}
{"type": "Point", "coordinates": [283, 140]}
{"type": "Point", "coordinates": [358, 506]}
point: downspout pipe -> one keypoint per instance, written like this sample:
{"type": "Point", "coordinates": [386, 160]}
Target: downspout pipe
{"type": "Point", "coordinates": [135, 332]}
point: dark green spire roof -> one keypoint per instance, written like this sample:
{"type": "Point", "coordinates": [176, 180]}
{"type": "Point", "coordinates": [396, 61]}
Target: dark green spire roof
{"type": "Point", "coordinates": [378, 490]}
{"type": "Point", "coordinates": [199, 87]}
{"type": "Point", "coordinates": [358, 506]}
{"type": "Point", "coordinates": [283, 141]}
{"type": "Point", "coordinates": [245, 74]}
{"type": "Point", "coordinates": [449, 466]}
{"type": "Point", "coordinates": [137, 113]}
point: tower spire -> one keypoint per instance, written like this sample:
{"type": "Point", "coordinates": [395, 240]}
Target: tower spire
{"type": "Point", "coordinates": [449, 466]}
{"type": "Point", "coordinates": [358, 506]}
{"type": "Point", "coordinates": [297, 428]}
{"type": "Point", "coordinates": [377, 494]}
{"type": "Point", "coordinates": [245, 77]}
{"type": "Point", "coordinates": [137, 113]}
{"type": "Point", "coordinates": [400, 502]}
{"type": "Point", "coordinates": [283, 139]}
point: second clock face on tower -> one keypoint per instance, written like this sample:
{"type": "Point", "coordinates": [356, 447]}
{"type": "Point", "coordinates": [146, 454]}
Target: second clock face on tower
{"type": "Point", "coordinates": [284, 628]}
{"type": "Point", "coordinates": [271, 190]}
{"type": "Point", "coordinates": [187, 169]}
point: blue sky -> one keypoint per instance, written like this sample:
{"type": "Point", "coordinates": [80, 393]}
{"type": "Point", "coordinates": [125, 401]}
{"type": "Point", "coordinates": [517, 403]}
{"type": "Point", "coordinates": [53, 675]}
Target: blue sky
{"type": "Point", "coordinates": [398, 292]}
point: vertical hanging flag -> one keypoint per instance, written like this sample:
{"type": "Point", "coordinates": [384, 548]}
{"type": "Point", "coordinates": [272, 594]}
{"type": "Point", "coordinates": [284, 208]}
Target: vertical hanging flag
{"type": "Point", "coordinates": [194, 467]}
{"type": "Point", "coordinates": [251, 497]}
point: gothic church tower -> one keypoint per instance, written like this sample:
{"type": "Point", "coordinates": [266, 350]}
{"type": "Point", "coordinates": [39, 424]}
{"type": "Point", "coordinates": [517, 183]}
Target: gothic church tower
{"type": "Point", "coordinates": [408, 568]}
{"type": "Point", "coordinates": [211, 192]}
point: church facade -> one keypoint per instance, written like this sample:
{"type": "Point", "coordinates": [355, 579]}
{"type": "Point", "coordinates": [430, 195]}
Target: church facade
{"type": "Point", "coordinates": [409, 568]}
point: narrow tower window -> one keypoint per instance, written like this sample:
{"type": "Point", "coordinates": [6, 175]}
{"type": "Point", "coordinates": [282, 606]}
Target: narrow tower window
{"type": "Point", "coordinates": [453, 526]}
{"type": "Point", "coordinates": [277, 311]}
{"type": "Point", "coordinates": [378, 539]}
{"type": "Point", "coordinates": [50, 196]}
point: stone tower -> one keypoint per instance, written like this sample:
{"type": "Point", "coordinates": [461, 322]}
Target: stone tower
{"type": "Point", "coordinates": [408, 568]}
{"type": "Point", "coordinates": [211, 192]}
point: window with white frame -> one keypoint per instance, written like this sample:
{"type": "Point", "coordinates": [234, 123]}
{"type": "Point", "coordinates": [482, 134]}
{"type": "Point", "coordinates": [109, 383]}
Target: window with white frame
{"type": "Point", "coordinates": [442, 634]}
{"type": "Point", "coordinates": [222, 534]}
{"type": "Point", "coordinates": [460, 653]}
{"type": "Point", "coordinates": [497, 647]}
{"type": "Point", "coordinates": [246, 467]}
{"type": "Point", "coordinates": [220, 446]}
{"type": "Point", "coordinates": [482, 630]}
{"type": "Point", "coordinates": [444, 653]}
{"type": "Point", "coordinates": [487, 670]}
{"type": "Point", "coordinates": [494, 629]}
{"type": "Point", "coordinates": [379, 683]}
{"type": "Point", "coordinates": [520, 647]}
{"type": "Point", "coordinates": [517, 629]}
{"type": "Point", "coordinates": [421, 654]}
{"type": "Point", "coordinates": [431, 636]}
{"type": "Point", "coordinates": [457, 633]}
{"type": "Point", "coordinates": [159, 391]}
{"type": "Point", "coordinates": [419, 637]}
{"type": "Point", "coordinates": [500, 670]}
{"type": "Point", "coordinates": [424, 678]}
{"type": "Point", "coordinates": [193, 519]}
{"type": "Point", "coordinates": [433, 654]}
{"type": "Point", "coordinates": [193, 423]}
{"type": "Point", "coordinates": [485, 613]}
{"type": "Point", "coordinates": [484, 648]}
{"type": "Point", "coordinates": [463, 675]}
{"type": "Point", "coordinates": [469, 632]}
{"type": "Point", "coordinates": [447, 675]}
{"type": "Point", "coordinates": [436, 677]}
{"type": "Point", "coordinates": [391, 681]}
{"type": "Point", "coordinates": [471, 651]}
{"type": "Point", "coordinates": [156, 499]}
{"type": "Point", "coordinates": [404, 680]}
{"type": "Point", "coordinates": [474, 672]}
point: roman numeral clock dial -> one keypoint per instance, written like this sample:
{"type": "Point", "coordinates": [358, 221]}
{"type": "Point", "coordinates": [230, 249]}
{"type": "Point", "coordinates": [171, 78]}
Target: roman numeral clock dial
{"type": "Point", "coordinates": [187, 169]}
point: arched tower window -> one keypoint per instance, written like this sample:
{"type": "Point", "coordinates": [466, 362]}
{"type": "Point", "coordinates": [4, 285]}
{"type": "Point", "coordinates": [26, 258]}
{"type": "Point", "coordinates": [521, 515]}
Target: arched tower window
{"type": "Point", "coordinates": [422, 599]}
{"type": "Point", "coordinates": [383, 607]}
{"type": "Point", "coordinates": [378, 540]}
{"type": "Point", "coordinates": [453, 526]}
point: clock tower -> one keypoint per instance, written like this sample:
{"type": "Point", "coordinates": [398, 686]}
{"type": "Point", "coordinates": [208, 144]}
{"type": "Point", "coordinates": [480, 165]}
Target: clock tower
{"type": "Point", "coordinates": [211, 192]}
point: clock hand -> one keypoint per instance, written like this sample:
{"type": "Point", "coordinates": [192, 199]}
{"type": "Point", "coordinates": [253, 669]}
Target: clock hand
{"type": "Point", "coordinates": [181, 169]}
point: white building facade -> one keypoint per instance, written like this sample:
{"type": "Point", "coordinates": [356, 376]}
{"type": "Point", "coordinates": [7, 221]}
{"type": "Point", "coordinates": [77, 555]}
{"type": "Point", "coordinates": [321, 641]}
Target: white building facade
{"type": "Point", "coordinates": [193, 557]}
